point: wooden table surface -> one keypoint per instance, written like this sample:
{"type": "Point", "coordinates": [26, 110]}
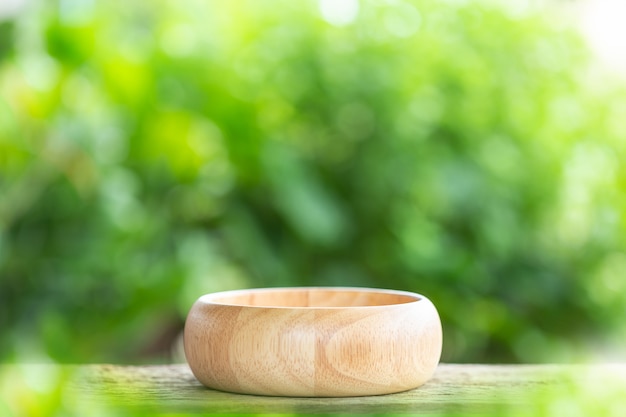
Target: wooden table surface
{"type": "Point", "coordinates": [115, 390]}
{"type": "Point", "coordinates": [498, 389]}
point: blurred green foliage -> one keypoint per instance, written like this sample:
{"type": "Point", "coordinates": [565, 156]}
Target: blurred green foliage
{"type": "Point", "coordinates": [151, 152]}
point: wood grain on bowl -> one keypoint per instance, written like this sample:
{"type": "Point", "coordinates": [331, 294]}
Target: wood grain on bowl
{"type": "Point", "coordinates": [313, 342]}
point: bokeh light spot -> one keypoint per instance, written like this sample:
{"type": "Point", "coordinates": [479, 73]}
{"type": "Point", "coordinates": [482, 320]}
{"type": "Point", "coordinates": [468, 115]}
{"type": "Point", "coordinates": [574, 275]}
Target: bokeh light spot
{"type": "Point", "coordinates": [339, 12]}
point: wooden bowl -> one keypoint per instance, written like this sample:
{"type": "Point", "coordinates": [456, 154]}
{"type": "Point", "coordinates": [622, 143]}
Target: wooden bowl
{"type": "Point", "coordinates": [313, 342]}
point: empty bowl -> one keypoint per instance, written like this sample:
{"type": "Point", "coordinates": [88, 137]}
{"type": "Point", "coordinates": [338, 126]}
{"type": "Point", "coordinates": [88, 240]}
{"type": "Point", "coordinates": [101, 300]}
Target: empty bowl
{"type": "Point", "coordinates": [313, 342]}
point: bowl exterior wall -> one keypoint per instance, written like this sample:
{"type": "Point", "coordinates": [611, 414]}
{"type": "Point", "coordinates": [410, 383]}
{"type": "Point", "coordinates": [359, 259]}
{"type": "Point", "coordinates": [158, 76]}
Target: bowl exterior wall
{"type": "Point", "coordinates": [313, 352]}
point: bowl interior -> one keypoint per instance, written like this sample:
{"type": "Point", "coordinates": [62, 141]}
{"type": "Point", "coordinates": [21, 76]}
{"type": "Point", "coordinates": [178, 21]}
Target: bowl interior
{"type": "Point", "coordinates": [311, 297]}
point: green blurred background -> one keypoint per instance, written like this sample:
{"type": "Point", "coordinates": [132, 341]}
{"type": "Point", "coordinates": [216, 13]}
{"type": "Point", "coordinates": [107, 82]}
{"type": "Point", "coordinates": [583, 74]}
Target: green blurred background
{"type": "Point", "coordinates": [154, 151]}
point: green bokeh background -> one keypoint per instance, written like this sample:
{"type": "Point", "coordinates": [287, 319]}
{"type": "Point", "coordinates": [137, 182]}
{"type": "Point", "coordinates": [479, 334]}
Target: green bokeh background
{"type": "Point", "coordinates": [154, 151]}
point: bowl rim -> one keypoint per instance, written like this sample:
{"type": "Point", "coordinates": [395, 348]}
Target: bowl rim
{"type": "Point", "coordinates": [210, 298]}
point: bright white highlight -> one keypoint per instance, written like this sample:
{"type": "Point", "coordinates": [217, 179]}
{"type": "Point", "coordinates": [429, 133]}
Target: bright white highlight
{"type": "Point", "coordinates": [604, 25]}
{"type": "Point", "coordinates": [10, 8]}
{"type": "Point", "coordinates": [339, 12]}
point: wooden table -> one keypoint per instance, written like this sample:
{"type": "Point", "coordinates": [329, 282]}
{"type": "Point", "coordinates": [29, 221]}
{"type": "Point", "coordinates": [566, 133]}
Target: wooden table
{"type": "Point", "coordinates": [454, 389]}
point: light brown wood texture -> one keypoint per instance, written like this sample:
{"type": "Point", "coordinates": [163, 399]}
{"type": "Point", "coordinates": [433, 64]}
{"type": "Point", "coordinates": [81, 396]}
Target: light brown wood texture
{"type": "Point", "coordinates": [454, 389]}
{"type": "Point", "coordinates": [313, 342]}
